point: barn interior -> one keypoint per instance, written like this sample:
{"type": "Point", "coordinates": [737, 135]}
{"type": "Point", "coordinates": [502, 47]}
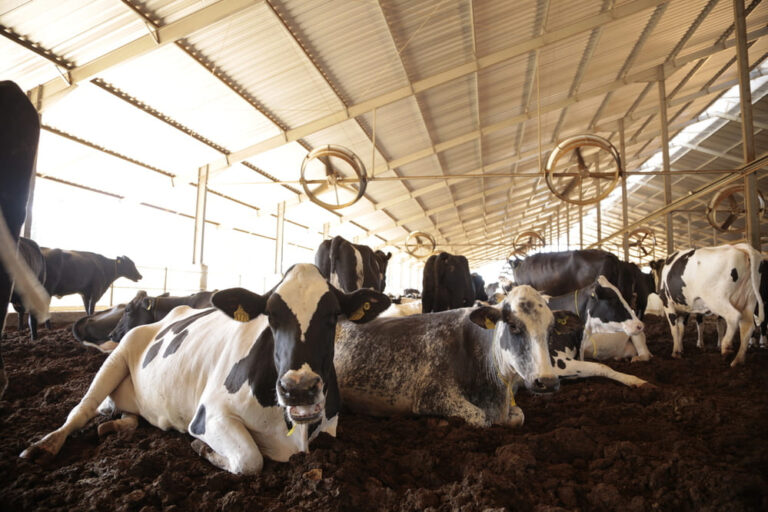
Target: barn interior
{"type": "Point", "coordinates": [179, 133]}
{"type": "Point", "coordinates": [217, 143]}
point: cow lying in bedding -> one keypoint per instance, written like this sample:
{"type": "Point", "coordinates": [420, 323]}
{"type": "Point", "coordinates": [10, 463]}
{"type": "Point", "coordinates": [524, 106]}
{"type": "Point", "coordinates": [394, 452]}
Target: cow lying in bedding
{"type": "Point", "coordinates": [462, 362]}
{"type": "Point", "coordinates": [240, 377]}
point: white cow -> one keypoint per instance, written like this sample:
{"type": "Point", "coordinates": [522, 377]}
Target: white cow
{"type": "Point", "coordinates": [723, 280]}
{"type": "Point", "coordinates": [263, 385]}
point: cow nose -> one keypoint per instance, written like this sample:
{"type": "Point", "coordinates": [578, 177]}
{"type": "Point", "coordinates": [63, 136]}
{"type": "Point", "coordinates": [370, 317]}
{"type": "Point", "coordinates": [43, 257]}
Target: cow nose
{"type": "Point", "coordinates": [298, 387]}
{"type": "Point", "coordinates": [546, 385]}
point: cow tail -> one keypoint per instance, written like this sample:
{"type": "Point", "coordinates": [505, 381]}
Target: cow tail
{"type": "Point", "coordinates": [32, 293]}
{"type": "Point", "coordinates": [756, 262]}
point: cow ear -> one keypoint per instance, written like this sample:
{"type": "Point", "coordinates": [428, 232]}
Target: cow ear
{"type": "Point", "coordinates": [239, 303]}
{"type": "Point", "coordinates": [565, 321]}
{"type": "Point", "coordinates": [363, 305]}
{"type": "Point", "coordinates": [486, 317]}
{"type": "Point", "coordinates": [389, 255]}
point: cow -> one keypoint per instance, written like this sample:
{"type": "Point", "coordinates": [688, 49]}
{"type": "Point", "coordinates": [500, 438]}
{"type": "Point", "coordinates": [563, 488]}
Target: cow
{"type": "Point", "coordinates": [446, 283]}
{"type": "Point", "coordinates": [30, 252]}
{"type": "Point", "coordinates": [558, 273]}
{"type": "Point", "coordinates": [85, 273]}
{"type": "Point", "coordinates": [350, 267]}
{"type": "Point", "coordinates": [478, 284]}
{"type": "Point", "coordinates": [251, 377]}
{"type": "Point", "coordinates": [19, 135]}
{"type": "Point", "coordinates": [603, 309]}
{"type": "Point", "coordinates": [94, 330]}
{"type": "Point", "coordinates": [403, 309]}
{"type": "Point", "coordinates": [464, 362]}
{"type": "Point", "coordinates": [144, 310]}
{"type": "Point", "coordinates": [722, 280]}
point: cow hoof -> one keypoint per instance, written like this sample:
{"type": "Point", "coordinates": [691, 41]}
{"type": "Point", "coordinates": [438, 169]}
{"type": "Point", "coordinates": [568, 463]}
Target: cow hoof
{"type": "Point", "coordinates": [106, 428]}
{"type": "Point", "coordinates": [641, 359]}
{"type": "Point", "coordinates": [736, 362]}
{"type": "Point", "coordinates": [36, 453]}
{"type": "Point", "coordinates": [647, 385]}
{"type": "Point", "coordinates": [200, 447]}
{"type": "Point", "coordinates": [677, 355]}
{"type": "Point", "coordinates": [516, 417]}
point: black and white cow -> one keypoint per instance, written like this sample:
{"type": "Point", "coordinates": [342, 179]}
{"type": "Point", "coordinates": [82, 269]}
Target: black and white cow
{"type": "Point", "coordinates": [19, 134]}
{"type": "Point", "coordinates": [142, 310]}
{"type": "Point", "coordinates": [603, 309]}
{"type": "Point", "coordinates": [94, 330]}
{"type": "Point", "coordinates": [724, 281]}
{"type": "Point", "coordinates": [30, 252]}
{"type": "Point", "coordinates": [350, 267]}
{"type": "Point", "coordinates": [252, 377]}
{"type": "Point", "coordinates": [446, 283]}
{"type": "Point", "coordinates": [462, 362]}
{"type": "Point", "coordinates": [85, 273]}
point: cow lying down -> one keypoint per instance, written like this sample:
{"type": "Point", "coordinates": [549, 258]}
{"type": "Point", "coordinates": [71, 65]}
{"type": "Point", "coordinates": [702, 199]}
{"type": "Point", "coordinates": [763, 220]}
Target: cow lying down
{"type": "Point", "coordinates": [249, 378]}
{"type": "Point", "coordinates": [462, 362]}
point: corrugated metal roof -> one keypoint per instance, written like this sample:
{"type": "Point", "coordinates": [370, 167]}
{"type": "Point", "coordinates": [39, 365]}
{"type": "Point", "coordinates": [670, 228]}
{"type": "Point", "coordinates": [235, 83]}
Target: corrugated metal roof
{"type": "Point", "coordinates": [458, 86]}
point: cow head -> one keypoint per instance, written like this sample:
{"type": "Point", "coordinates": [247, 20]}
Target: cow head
{"type": "Point", "coordinates": [607, 311]}
{"type": "Point", "coordinates": [520, 339]}
{"type": "Point", "coordinates": [137, 312]}
{"type": "Point", "coordinates": [124, 267]}
{"type": "Point", "coordinates": [382, 260]}
{"type": "Point", "coordinates": [302, 311]}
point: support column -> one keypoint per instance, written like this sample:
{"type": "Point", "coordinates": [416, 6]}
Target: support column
{"type": "Point", "coordinates": [747, 126]}
{"type": "Point", "coordinates": [279, 238]}
{"type": "Point", "coordinates": [665, 158]}
{"type": "Point", "coordinates": [624, 208]}
{"type": "Point", "coordinates": [326, 230]}
{"type": "Point", "coordinates": [199, 240]}
{"type": "Point", "coordinates": [558, 228]}
{"type": "Point", "coordinates": [581, 227]}
{"type": "Point", "coordinates": [567, 227]}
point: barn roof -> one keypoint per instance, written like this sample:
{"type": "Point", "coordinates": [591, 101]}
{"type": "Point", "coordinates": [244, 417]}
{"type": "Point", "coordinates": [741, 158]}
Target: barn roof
{"type": "Point", "coordinates": [453, 107]}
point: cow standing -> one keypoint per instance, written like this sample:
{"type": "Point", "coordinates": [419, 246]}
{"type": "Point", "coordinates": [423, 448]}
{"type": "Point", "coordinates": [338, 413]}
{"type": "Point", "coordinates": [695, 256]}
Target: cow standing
{"type": "Point", "coordinates": [724, 281]}
{"type": "Point", "coordinates": [19, 135]}
{"type": "Point", "coordinates": [446, 283]}
{"type": "Point", "coordinates": [30, 252]}
{"type": "Point", "coordinates": [252, 377]}
{"type": "Point", "coordinates": [462, 362]}
{"type": "Point", "coordinates": [350, 267]}
{"type": "Point", "coordinates": [85, 273]}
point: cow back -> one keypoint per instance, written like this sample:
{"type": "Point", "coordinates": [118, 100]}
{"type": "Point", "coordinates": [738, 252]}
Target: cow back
{"type": "Point", "coordinates": [558, 273]}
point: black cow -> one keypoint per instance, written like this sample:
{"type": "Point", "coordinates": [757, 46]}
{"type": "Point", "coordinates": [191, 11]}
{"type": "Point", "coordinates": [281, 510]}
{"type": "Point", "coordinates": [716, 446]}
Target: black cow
{"type": "Point", "coordinates": [19, 134]}
{"type": "Point", "coordinates": [446, 283]}
{"type": "Point", "coordinates": [350, 266]}
{"type": "Point", "coordinates": [85, 273]}
{"type": "Point", "coordinates": [94, 330]}
{"type": "Point", "coordinates": [479, 285]}
{"type": "Point", "coordinates": [558, 273]}
{"type": "Point", "coordinates": [30, 252]}
{"type": "Point", "coordinates": [144, 310]}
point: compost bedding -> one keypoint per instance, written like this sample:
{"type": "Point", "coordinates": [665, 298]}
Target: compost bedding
{"type": "Point", "coordinates": [695, 442]}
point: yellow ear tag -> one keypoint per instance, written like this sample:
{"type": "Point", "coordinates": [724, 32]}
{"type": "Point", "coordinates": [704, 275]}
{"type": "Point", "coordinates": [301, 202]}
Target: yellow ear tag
{"type": "Point", "coordinates": [240, 314]}
{"type": "Point", "coordinates": [562, 321]}
{"type": "Point", "coordinates": [489, 324]}
{"type": "Point", "coordinates": [290, 432]}
{"type": "Point", "coordinates": [357, 315]}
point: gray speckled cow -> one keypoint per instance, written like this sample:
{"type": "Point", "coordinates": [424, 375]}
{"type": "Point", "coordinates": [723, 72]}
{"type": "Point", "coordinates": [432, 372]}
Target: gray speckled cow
{"type": "Point", "coordinates": [462, 362]}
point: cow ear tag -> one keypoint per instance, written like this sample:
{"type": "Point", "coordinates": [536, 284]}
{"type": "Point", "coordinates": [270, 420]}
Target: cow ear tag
{"type": "Point", "coordinates": [357, 315]}
{"type": "Point", "coordinates": [240, 315]}
{"type": "Point", "coordinates": [489, 324]}
{"type": "Point", "coordinates": [290, 432]}
{"type": "Point", "coordinates": [562, 321]}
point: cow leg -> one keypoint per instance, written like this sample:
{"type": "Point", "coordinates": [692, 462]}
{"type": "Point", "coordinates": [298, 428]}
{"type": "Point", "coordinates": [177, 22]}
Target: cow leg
{"type": "Point", "coordinates": [639, 342]}
{"type": "Point", "coordinates": [721, 328]}
{"type": "Point", "coordinates": [746, 326]}
{"type": "Point", "coordinates": [112, 373]}
{"type": "Point", "coordinates": [228, 445]}
{"type": "Point", "coordinates": [700, 331]}
{"type": "Point", "coordinates": [451, 403]}
{"type": "Point", "coordinates": [126, 423]}
{"type": "Point", "coordinates": [574, 369]}
{"type": "Point", "coordinates": [33, 327]}
{"type": "Point", "coordinates": [676, 326]}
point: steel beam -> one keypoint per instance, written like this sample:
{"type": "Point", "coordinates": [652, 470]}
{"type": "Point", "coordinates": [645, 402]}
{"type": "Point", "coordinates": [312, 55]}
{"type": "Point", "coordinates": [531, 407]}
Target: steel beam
{"type": "Point", "coordinates": [202, 195]}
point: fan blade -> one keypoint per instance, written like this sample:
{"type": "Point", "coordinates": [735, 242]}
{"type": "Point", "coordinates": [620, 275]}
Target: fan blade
{"type": "Point", "coordinates": [571, 185]}
{"type": "Point", "coordinates": [580, 159]}
{"type": "Point", "coordinates": [730, 220]}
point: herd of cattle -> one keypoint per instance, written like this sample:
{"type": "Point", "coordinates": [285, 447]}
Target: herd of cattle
{"type": "Point", "coordinates": [260, 375]}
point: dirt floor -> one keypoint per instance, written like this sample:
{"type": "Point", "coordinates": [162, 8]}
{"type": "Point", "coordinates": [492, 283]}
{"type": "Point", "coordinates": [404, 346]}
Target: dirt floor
{"type": "Point", "coordinates": [699, 441]}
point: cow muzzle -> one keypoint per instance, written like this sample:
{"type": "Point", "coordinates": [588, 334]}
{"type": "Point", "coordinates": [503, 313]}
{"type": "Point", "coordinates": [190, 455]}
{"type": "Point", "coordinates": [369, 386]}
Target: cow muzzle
{"type": "Point", "coordinates": [544, 384]}
{"type": "Point", "coordinates": [301, 393]}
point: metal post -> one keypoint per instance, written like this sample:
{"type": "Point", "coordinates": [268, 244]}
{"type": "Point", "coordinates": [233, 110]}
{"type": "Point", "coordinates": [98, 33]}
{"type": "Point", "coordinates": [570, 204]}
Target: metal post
{"type": "Point", "coordinates": [747, 126]}
{"type": "Point", "coordinates": [690, 238]}
{"type": "Point", "coordinates": [326, 230]}
{"type": "Point", "coordinates": [665, 157]}
{"type": "Point", "coordinates": [202, 192]}
{"type": "Point", "coordinates": [624, 208]}
{"type": "Point", "coordinates": [714, 237]}
{"type": "Point", "coordinates": [165, 279]}
{"type": "Point", "coordinates": [558, 228]}
{"type": "Point", "coordinates": [279, 238]}
{"type": "Point", "coordinates": [581, 228]}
